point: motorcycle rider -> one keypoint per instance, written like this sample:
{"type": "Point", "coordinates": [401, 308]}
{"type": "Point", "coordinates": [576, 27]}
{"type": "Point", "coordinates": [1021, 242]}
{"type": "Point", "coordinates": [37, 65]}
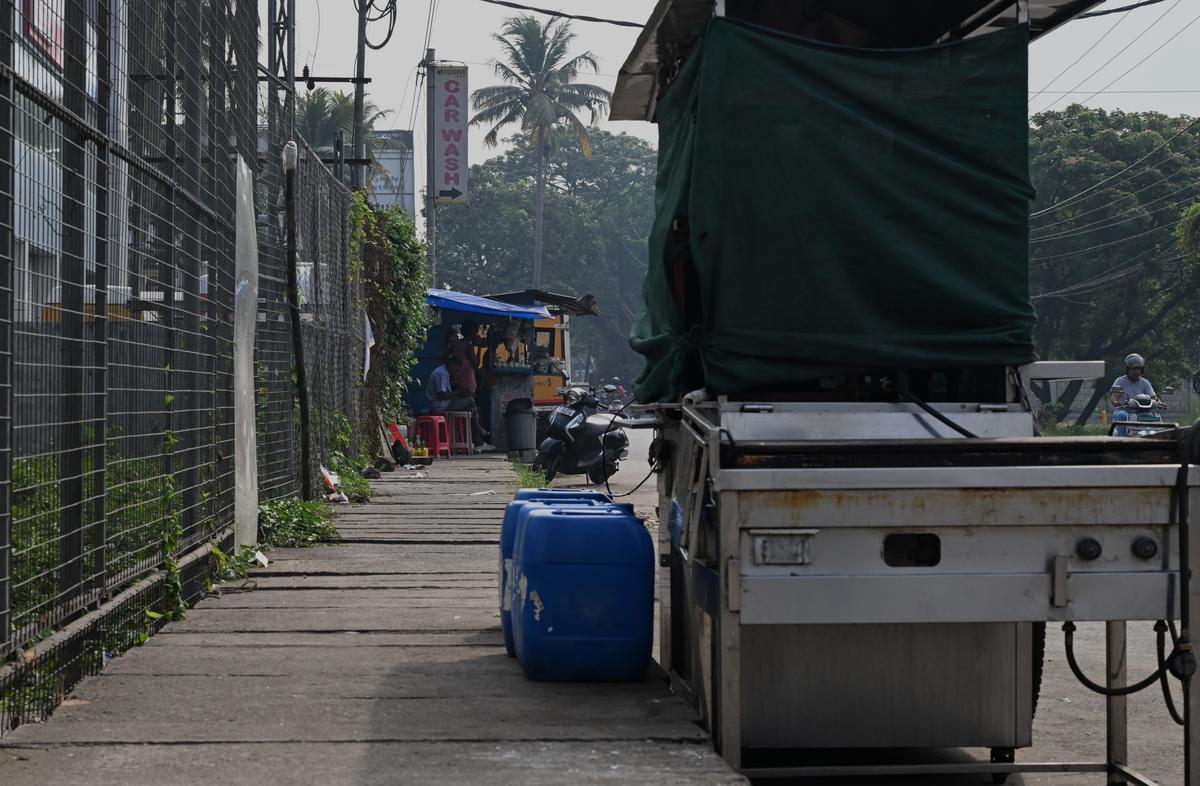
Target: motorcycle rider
{"type": "Point", "coordinates": [1128, 385]}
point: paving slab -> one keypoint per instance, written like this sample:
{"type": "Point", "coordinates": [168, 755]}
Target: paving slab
{"type": "Point", "coordinates": [378, 659]}
{"type": "Point", "coordinates": [374, 764]}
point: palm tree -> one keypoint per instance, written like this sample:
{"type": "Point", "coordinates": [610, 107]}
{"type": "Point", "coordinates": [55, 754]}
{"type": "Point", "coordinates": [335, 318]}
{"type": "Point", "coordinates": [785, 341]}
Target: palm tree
{"type": "Point", "coordinates": [321, 113]}
{"type": "Point", "coordinates": [541, 95]}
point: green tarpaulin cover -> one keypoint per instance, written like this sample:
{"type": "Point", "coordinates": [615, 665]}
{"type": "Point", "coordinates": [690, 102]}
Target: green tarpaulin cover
{"type": "Point", "coordinates": [824, 209]}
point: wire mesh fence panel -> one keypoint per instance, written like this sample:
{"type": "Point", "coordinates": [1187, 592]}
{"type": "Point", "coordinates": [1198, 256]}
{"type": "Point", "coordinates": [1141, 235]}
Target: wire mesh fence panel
{"type": "Point", "coordinates": [7, 21]}
{"type": "Point", "coordinates": [122, 123]}
{"type": "Point", "coordinates": [119, 121]}
{"type": "Point", "coordinates": [331, 309]}
{"type": "Point", "coordinates": [275, 390]}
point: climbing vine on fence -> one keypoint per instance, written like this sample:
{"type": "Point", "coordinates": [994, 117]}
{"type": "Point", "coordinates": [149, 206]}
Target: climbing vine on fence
{"type": "Point", "coordinates": [384, 243]}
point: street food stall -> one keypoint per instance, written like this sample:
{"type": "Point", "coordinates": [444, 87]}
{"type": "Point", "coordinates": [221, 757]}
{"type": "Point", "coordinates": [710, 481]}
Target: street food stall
{"type": "Point", "coordinates": [507, 332]}
{"type": "Point", "coordinates": [551, 361]}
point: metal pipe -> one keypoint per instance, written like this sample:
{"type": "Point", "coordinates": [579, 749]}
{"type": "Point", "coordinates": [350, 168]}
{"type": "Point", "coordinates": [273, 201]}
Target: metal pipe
{"type": "Point", "coordinates": [1117, 709]}
{"type": "Point", "coordinates": [430, 186]}
{"type": "Point", "coordinates": [357, 173]}
{"type": "Point", "coordinates": [291, 154]}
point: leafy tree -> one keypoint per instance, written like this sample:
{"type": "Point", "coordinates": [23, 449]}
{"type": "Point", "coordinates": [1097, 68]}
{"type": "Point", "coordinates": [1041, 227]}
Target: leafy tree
{"type": "Point", "coordinates": [322, 113]}
{"type": "Point", "coordinates": [1109, 273]}
{"type": "Point", "coordinates": [541, 96]}
{"type": "Point", "coordinates": [598, 214]}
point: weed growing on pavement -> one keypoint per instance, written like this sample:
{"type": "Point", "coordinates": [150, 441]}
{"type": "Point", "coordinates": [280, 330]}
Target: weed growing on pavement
{"type": "Point", "coordinates": [292, 523]}
{"type": "Point", "coordinates": [527, 478]}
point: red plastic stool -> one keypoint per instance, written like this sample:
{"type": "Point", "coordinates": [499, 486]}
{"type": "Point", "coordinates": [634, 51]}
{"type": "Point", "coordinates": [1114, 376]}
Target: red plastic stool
{"type": "Point", "coordinates": [460, 433]}
{"type": "Point", "coordinates": [433, 432]}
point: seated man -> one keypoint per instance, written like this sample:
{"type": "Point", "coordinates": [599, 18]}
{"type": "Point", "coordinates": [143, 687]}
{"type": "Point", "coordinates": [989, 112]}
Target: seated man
{"type": "Point", "coordinates": [1128, 385]}
{"type": "Point", "coordinates": [444, 397]}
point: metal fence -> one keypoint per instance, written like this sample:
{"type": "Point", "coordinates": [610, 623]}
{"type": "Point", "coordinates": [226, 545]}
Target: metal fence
{"type": "Point", "coordinates": [121, 123]}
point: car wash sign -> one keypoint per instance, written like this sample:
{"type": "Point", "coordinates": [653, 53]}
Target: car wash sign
{"type": "Point", "coordinates": [451, 110]}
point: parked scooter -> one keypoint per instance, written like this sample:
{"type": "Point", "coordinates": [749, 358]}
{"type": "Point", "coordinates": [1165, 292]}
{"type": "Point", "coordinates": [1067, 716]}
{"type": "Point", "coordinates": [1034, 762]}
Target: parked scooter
{"type": "Point", "coordinates": [582, 439]}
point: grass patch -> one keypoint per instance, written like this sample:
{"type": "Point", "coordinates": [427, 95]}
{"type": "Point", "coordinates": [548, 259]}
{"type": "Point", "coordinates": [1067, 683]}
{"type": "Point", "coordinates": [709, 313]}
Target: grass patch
{"type": "Point", "coordinates": [294, 523]}
{"type": "Point", "coordinates": [527, 478]}
{"type": "Point", "coordinates": [1071, 430]}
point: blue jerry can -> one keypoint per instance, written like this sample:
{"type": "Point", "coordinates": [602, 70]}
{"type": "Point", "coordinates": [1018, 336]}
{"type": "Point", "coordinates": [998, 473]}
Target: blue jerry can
{"type": "Point", "coordinates": [583, 601]}
{"type": "Point", "coordinates": [508, 533]}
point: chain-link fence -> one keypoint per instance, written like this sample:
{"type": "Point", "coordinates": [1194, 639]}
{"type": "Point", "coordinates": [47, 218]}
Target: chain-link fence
{"type": "Point", "coordinates": [121, 125]}
{"type": "Point", "coordinates": [332, 309]}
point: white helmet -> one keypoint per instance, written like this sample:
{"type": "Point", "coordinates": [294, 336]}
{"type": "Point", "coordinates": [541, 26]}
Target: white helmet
{"type": "Point", "coordinates": [1135, 361]}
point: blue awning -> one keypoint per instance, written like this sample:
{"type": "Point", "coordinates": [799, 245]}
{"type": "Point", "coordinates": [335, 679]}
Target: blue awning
{"type": "Point", "coordinates": [474, 304]}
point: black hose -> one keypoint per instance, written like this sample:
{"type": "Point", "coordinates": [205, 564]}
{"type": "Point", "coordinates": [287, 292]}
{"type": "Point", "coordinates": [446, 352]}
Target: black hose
{"type": "Point", "coordinates": [1160, 628]}
{"type": "Point", "coordinates": [938, 416]}
{"type": "Point", "coordinates": [1128, 690]}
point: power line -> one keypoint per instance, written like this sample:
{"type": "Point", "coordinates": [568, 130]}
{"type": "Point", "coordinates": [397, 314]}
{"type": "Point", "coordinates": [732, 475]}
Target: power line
{"type": "Point", "coordinates": [1041, 261]}
{"type": "Point", "coordinates": [1098, 92]}
{"type": "Point", "coordinates": [1087, 52]}
{"type": "Point", "coordinates": [1144, 59]}
{"type": "Point", "coordinates": [563, 15]}
{"type": "Point", "coordinates": [1096, 226]}
{"type": "Point", "coordinates": [1120, 52]}
{"type": "Point", "coordinates": [1089, 189]}
{"type": "Point", "coordinates": [1109, 204]}
{"type": "Point", "coordinates": [1120, 10]}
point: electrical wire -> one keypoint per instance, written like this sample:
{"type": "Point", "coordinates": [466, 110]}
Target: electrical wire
{"type": "Point", "coordinates": [1099, 246]}
{"type": "Point", "coordinates": [1120, 10]}
{"type": "Point", "coordinates": [1120, 52]}
{"type": "Point", "coordinates": [1134, 212]}
{"type": "Point", "coordinates": [1087, 52]}
{"type": "Point", "coordinates": [1128, 71]}
{"type": "Point", "coordinates": [1069, 200]}
{"type": "Point", "coordinates": [563, 15]}
{"type": "Point", "coordinates": [1109, 204]}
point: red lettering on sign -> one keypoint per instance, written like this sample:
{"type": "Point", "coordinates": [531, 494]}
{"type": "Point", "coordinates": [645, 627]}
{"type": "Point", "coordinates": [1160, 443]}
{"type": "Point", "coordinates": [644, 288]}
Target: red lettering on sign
{"type": "Point", "coordinates": [452, 100]}
{"type": "Point", "coordinates": [451, 150]}
{"type": "Point", "coordinates": [452, 85]}
{"type": "Point", "coordinates": [451, 179]}
{"type": "Point", "coordinates": [451, 164]}
{"type": "Point", "coordinates": [451, 116]}
{"type": "Point", "coordinates": [454, 135]}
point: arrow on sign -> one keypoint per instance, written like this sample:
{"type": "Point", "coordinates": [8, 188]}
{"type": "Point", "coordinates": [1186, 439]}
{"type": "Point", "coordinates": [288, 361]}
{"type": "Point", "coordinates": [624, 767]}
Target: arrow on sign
{"type": "Point", "coordinates": [453, 193]}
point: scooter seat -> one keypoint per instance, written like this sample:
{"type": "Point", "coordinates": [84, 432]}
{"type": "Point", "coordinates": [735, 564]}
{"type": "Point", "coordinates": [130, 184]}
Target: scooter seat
{"type": "Point", "coordinates": [597, 425]}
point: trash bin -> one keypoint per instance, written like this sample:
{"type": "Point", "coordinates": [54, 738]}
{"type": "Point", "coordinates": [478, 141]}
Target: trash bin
{"type": "Point", "coordinates": [520, 424]}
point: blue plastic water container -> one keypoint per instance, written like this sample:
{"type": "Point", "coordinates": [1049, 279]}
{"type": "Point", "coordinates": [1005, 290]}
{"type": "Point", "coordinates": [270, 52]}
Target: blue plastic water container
{"type": "Point", "coordinates": [599, 496]}
{"type": "Point", "coordinates": [508, 534]}
{"type": "Point", "coordinates": [583, 603]}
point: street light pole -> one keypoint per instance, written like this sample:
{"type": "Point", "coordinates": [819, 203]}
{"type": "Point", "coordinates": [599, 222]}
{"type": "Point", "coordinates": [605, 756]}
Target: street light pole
{"type": "Point", "coordinates": [430, 185]}
{"type": "Point", "coordinates": [291, 154]}
{"type": "Point", "coordinates": [358, 171]}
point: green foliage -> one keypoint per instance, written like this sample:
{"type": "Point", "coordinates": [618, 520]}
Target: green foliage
{"type": "Point", "coordinates": [1110, 271]}
{"type": "Point", "coordinates": [224, 566]}
{"type": "Point", "coordinates": [292, 523]}
{"type": "Point", "coordinates": [540, 94]}
{"type": "Point", "coordinates": [135, 521]}
{"type": "Point", "coordinates": [598, 215]}
{"type": "Point", "coordinates": [385, 248]}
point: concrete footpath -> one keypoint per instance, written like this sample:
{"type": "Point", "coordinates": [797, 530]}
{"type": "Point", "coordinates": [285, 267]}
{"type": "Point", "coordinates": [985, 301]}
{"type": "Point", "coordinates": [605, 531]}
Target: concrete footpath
{"type": "Point", "coordinates": [376, 660]}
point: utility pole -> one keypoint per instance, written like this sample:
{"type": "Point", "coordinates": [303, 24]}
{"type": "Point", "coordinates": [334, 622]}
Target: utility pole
{"type": "Point", "coordinates": [430, 185]}
{"type": "Point", "coordinates": [358, 171]}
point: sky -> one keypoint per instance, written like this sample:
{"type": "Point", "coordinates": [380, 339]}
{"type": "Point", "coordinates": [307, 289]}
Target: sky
{"type": "Point", "coordinates": [1139, 61]}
